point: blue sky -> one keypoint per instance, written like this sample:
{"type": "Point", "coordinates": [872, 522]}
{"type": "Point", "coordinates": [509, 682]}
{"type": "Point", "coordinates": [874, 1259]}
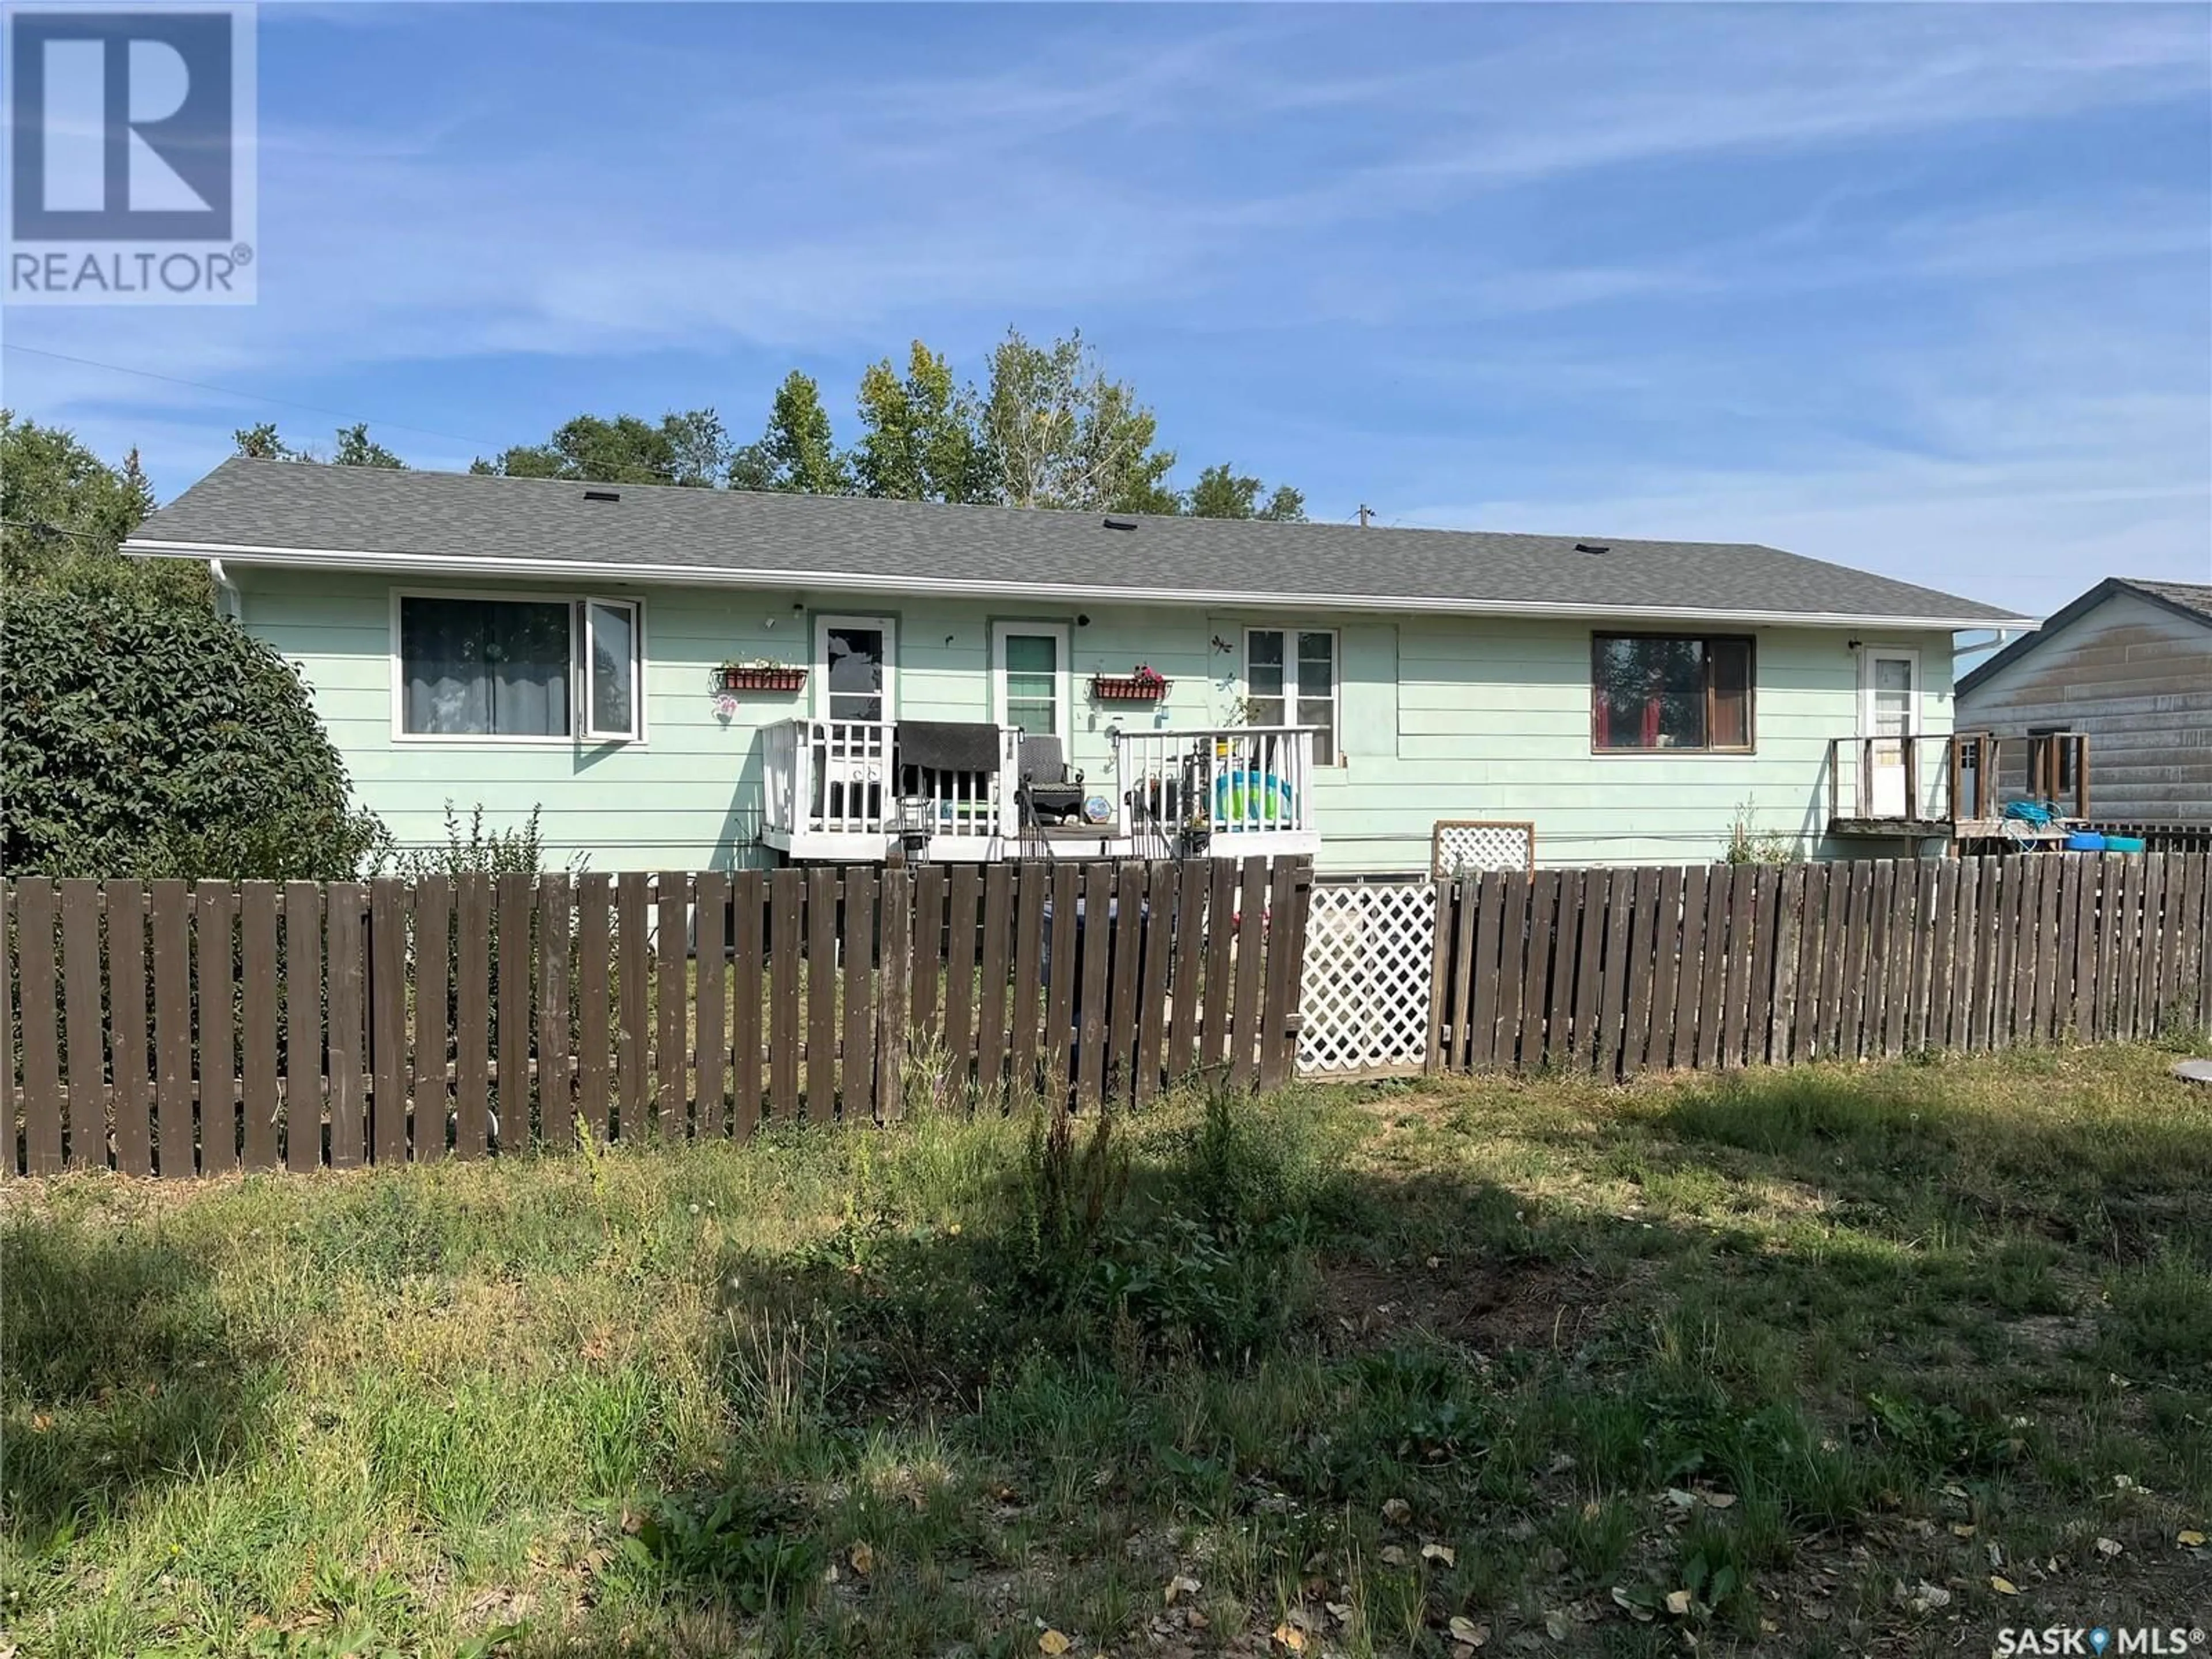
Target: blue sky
{"type": "Point", "coordinates": [1924, 290]}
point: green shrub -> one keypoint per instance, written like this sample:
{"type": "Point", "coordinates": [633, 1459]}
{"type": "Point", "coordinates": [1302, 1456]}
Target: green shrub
{"type": "Point", "coordinates": [141, 740]}
{"type": "Point", "coordinates": [477, 851]}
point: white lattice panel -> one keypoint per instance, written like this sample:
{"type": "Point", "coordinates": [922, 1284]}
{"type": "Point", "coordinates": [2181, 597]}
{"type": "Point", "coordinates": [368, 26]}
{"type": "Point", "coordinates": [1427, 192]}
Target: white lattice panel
{"type": "Point", "coordinates": [1365, 997]}
{"type": "Point", "coordinates": [1458, 847]}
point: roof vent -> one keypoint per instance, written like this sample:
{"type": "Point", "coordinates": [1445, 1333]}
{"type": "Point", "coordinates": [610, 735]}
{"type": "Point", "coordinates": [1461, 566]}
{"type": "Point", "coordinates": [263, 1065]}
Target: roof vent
{"type": "Point", "coordinates": [1591, 547]}
{"type": "Point", "coordinates": [1121, 524]}
{"type": "Point", "coordinates": [603, 495]}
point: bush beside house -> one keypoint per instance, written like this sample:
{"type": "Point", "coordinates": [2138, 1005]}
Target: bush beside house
{"type": "Point", "coordinates": [144, 739]}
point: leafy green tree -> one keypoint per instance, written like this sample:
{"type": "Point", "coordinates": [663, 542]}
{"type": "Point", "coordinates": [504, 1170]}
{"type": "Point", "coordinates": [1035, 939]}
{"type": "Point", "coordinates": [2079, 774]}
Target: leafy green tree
{"type": "Point", "coordinates": [1062, 433]}
{"type": "Point", "coordinates": [64, 515]}
{"type": "Point", "coordinates": [261, 443]}
{"type": "Point", "coordinates": [922, 437]}
{"type": "Point", "coordinates": [1222, 493]}
{"type": "Point", "coordinates": [688, 448]}
{"type": "Point", "coordinates": [797, 454]}
{"type": "Point", "coordinates": [143, 738]}
{"type": "Point", "coordinates": [699, 448]}
{"type": "Point", "coordinates": [357, 448]}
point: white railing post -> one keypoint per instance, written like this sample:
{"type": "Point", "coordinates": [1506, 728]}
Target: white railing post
{"type": "Point", "coordinates": [1125, 787]}
{"type": "Point", "coordinates": [798, 774]}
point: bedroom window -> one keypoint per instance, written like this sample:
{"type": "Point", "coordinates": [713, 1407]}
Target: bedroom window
{"type": "Point", "coordinates": [1290, 680]}
{"type": "Point", "coordinates": [470, 667]}
{"type": "Point", "coordinates": [1678, 692]}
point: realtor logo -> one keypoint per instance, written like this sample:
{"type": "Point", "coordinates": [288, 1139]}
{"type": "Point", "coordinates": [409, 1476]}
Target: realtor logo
{"type": "Point", "coordinates": [130, 144]}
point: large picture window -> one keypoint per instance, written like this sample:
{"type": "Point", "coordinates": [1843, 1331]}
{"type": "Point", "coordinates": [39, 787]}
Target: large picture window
{"type": "Point", "coordinates": [1671, 691]}
{"type": "Point", "coordinates": [1290, 680]}
{"type": "Point", "coordinates": [472, 667]}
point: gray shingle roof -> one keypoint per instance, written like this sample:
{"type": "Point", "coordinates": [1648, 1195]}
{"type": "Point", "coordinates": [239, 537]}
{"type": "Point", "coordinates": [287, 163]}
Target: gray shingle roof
{"type": "Point", "coordinates": [2186, 596]}
{"type": "Point", "coordinates": [345, 515]}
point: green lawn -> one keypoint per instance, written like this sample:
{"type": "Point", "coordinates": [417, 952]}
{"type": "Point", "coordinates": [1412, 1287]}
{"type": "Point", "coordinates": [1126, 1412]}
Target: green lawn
{"type": "Point", "coordinates": [1827, 1361]}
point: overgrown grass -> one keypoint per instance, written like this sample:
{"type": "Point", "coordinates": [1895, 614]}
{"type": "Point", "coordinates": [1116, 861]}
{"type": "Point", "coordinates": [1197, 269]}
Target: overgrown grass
{"type": "Point", "coordinates": [1821, 1355]}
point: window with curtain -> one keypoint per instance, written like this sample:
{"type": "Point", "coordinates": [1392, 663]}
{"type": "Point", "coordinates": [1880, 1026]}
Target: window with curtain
{"type": "Point", "coordinates": [1033, 682]}
{"type": "Point", "coordinates": [1290, 680]}
{"type": "Point", "coordinates": [495, 668]}
{"type": "Point", "coordinates": [1671, 691]}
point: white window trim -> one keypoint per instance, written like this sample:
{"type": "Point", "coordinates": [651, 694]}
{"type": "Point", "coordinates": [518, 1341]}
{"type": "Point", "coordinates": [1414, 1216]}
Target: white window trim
{"type": "Point", "coordinates": [1063, 699]}
{"type": "Point", "coordinates": [583, 627]}
{"type": "Point", "coordinates": [1869, 654]}
{"type": "Point", "coordinates": [1290, 631]}
{"type": "Point", "coordinates": [577, 713]}
{"type": "Point", "coordinates": [820, 675]}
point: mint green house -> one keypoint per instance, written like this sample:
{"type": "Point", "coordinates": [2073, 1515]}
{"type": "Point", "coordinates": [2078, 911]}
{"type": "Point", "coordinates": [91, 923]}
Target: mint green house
{"type": "Point", "coordinates": [683, 679]}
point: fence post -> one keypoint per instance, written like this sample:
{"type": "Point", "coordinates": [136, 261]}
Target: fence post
{"type": "Point", "coordinates": [1289, 906]}
{"type": "Point", "coordinates": [348, 1124]}
{"type": "Point", "coordinates": [896, 980]}
{"type": "Point", "coordinates": [42, 1079]}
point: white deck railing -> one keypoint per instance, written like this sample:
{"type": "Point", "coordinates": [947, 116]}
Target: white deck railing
{"type": "Point", "coordinates": [1238, 783]}
{"type": "Point", "coordinates": [842, 778]}
{"type": "Point", "coordinates": [833, 788]}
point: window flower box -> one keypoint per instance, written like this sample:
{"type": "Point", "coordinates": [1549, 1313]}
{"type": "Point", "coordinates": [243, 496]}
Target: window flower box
{"type": "Point", "coordinates": [1142, 685]}
{"type": "Point", "coordinates": [760, 677]}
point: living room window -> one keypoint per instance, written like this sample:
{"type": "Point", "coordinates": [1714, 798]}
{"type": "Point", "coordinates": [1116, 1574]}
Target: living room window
{"type": "Point", "coordinates": [469, 666]}
{"type": "Point", "coordinates": [1678, 692]}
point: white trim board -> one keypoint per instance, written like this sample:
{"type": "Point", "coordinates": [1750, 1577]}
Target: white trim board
{"type": "Point", "coordinates": [598, 570]}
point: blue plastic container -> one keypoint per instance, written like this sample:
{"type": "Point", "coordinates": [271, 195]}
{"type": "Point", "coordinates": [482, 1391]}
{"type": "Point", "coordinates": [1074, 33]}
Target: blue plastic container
{"type": "Point", "coordinates": [2085, 840]}
{"type": "Point", "coordinates": [2124, 843]}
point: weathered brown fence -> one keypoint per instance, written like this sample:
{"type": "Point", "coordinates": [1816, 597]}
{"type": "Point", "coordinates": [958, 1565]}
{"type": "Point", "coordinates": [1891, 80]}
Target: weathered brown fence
{"type": "Point", "coordinates": [381, 1022]}
{"type": "Point", "coordinates": [1624, 970]}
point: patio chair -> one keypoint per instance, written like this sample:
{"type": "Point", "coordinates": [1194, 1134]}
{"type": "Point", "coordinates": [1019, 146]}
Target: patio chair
{"type": "Point", "coordinates": [1050, 790]}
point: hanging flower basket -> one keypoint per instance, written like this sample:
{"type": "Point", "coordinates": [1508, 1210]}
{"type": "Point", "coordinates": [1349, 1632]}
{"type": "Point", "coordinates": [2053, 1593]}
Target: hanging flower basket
{"type": "Point", "coordinates": [733, 677]}
{"type": "Point", "coordinates": [1144, 684]}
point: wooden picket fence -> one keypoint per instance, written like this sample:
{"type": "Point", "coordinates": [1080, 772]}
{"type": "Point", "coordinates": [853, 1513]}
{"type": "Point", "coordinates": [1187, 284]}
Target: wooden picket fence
{"type": "Point", "coordinates": [1620, 970]}
{"type": "Point", "coordinates": [380, 1021]}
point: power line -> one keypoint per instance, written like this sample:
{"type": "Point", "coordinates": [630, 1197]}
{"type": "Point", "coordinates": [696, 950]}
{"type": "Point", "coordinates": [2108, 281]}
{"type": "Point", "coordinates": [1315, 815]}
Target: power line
{"type": "Point", "coordinates": [55, 529]}
{"type": "Point", "coordinates": [247, 397]}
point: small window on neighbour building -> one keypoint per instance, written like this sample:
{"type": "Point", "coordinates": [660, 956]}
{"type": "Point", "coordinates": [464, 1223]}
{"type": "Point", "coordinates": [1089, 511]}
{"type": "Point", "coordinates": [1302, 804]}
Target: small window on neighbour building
{"type": "Point", "coordinates": [1671, 691]}
{"type": "Point", "coordinates": [1290, 680]}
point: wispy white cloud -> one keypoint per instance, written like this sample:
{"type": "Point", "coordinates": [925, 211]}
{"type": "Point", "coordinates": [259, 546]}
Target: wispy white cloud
{"type": "Point", "coordinates": [1445, 216]}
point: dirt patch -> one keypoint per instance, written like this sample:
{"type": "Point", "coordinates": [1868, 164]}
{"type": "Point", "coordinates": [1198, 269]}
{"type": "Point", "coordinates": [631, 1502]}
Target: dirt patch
{"type": "Point", "coordinates": [1486, 1306]}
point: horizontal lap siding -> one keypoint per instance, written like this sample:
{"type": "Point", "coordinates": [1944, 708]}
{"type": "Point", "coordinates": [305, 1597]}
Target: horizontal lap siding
{"type": "Point", "coordinates": [1441, 718]}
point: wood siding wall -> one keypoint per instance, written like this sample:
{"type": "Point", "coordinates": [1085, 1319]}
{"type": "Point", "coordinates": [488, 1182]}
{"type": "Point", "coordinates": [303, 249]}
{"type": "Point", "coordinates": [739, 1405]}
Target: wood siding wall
{"type": "Point", "coordinates": [179, 1029]}
{"type": "Point", "coordinates": [1619, 971]}
{"type": "Point", "coordinates": [2138, 679]}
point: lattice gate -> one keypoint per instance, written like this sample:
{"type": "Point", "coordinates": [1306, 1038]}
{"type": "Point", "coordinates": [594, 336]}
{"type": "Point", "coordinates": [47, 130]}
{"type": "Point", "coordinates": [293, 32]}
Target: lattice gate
{"type": "Point", "coordinates": [1368, 965]}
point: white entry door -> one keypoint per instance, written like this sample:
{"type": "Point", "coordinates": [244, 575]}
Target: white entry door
{"type": "Point", "coordinates": [1889, 713]}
